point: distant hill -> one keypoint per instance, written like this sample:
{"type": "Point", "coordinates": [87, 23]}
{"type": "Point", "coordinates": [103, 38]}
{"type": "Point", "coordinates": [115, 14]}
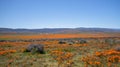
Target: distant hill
{"type": "Point", "coordinates": [59, 30]}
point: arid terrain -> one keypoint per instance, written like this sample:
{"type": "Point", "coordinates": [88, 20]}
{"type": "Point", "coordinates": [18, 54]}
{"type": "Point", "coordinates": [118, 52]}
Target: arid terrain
{"type": "Point", "coordinates": [98, 49]}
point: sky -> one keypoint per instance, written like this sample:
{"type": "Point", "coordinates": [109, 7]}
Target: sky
{"type": "Point", "coordinates": [34, 14]}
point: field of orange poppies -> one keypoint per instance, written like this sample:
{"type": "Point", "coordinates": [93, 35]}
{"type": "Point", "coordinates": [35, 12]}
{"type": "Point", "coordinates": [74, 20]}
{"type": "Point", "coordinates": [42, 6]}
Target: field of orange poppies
{"type": "Point", "coordinates": [61, 50]}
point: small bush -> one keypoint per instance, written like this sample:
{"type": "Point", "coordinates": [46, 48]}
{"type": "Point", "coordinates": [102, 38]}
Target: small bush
{"type": "Point", "coordinates": [62, 42]}
{"type": "Point", "coordinates": [82, 41]}
{"type": "Point", "coordinates": [117, 48]}
{"type": "Point", "coordinates": [35, 48]}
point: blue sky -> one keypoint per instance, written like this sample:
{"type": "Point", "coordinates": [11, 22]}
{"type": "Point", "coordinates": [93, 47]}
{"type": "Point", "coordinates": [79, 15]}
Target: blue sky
{"type": "Point", "coordinates": [59, 13]}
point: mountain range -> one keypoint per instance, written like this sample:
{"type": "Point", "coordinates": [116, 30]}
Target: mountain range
{"type": "Point", "coordinates": [59, 30]}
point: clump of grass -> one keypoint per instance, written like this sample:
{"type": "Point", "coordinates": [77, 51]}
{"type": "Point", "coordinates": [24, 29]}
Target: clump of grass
{"type": "Point", "coordinates": [69, 50]}
{"type": "Point", "coordinates": [6, 45]}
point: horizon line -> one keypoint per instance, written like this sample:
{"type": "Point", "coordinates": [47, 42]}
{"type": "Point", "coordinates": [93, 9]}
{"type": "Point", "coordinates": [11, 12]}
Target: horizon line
{"type": "Point", "coordinates": [61, 28]}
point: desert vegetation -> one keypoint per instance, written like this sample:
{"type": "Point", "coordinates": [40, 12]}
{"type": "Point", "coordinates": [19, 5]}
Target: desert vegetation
{"type": "Point", "coordinates": [59, 50]}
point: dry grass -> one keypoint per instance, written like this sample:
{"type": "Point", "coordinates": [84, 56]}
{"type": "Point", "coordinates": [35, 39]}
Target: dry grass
{"type": "Point", "coordinates": [97, 52]}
